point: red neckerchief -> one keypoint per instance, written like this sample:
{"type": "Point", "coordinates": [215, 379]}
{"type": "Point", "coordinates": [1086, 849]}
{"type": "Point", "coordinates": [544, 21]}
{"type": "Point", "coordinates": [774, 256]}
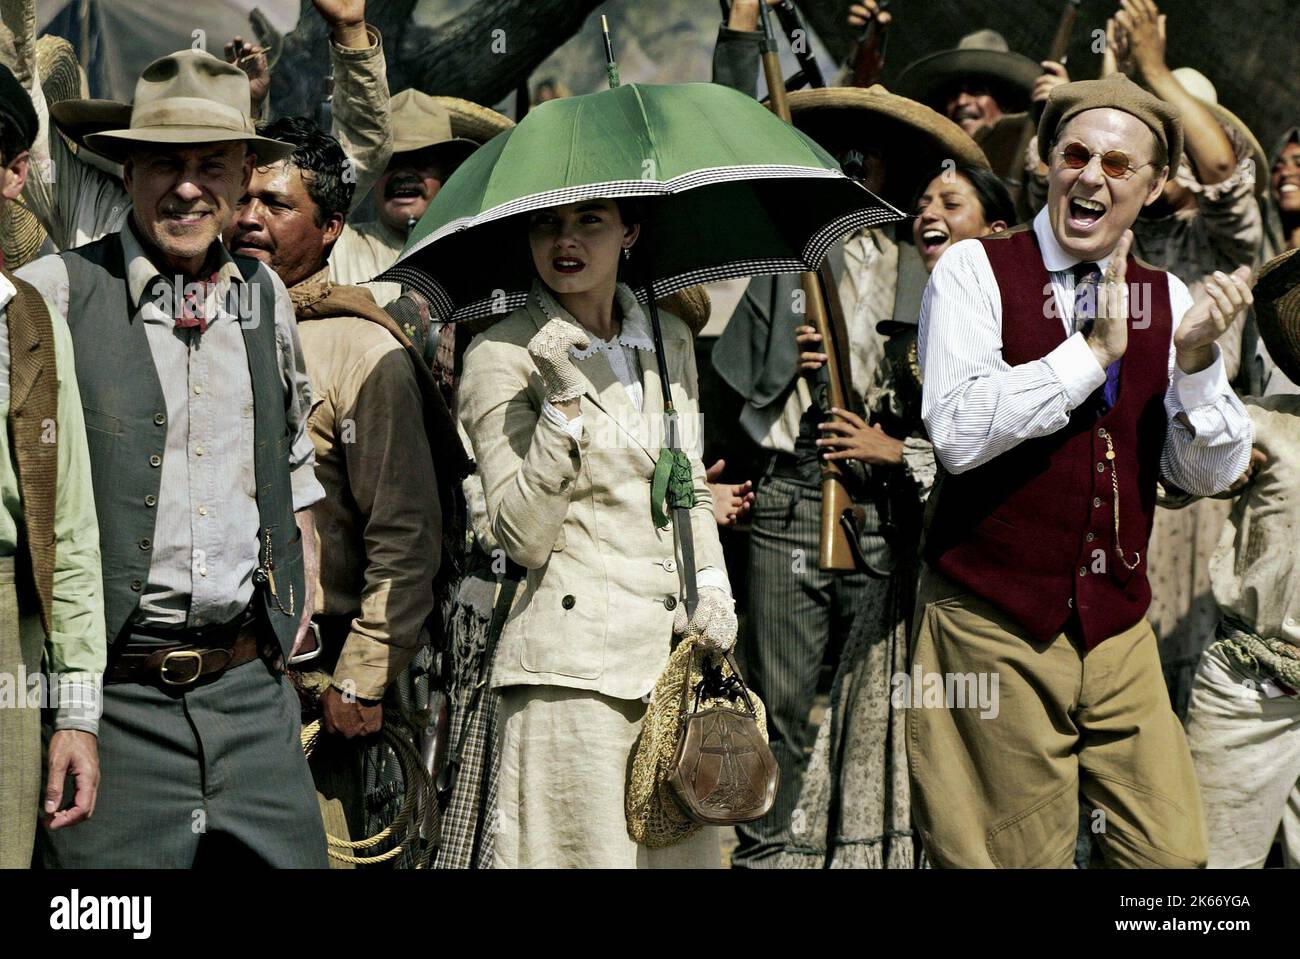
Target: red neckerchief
{"type": "Point", "coordinates": [191, 309]}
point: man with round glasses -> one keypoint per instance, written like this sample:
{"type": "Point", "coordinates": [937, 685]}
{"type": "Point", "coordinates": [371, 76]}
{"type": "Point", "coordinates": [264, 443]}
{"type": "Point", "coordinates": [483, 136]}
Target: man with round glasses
{"type": "Point", "coordinates": [1062, 378]}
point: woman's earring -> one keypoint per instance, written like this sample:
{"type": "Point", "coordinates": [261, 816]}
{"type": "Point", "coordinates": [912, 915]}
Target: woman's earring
{"type": "Point", "coordinates": [627, 253]}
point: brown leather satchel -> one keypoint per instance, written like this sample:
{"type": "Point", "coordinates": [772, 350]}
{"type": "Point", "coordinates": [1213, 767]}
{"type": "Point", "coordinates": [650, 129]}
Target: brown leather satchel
{"type": "Point", "coordinates": [723, 771]}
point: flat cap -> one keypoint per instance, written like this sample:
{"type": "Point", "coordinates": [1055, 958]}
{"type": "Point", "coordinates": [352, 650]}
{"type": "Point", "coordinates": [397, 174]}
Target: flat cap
{"type": "Point", "coordinates": [1115, 92]}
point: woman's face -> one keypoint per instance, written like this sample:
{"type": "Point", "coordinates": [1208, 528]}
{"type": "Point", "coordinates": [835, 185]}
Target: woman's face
{"type": "Point", "coordinates": [576, 247]}
{"type": "Point", "coordinates": [948, 211]}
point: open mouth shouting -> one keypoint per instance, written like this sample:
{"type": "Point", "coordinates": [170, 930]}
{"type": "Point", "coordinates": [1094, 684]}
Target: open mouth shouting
{"type": "Point", "coordinates": [567, 264]}
{"type": "Point", "coordinates": [404, 190]}
{"type": "Point", "coordinates": [1085, 214]}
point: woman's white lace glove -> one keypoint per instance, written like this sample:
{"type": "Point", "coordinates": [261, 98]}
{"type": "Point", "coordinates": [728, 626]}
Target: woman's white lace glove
{"type": "Point", "coordinates": [549, 349]}
{"type": "Point", "coordinates": [714, 622]}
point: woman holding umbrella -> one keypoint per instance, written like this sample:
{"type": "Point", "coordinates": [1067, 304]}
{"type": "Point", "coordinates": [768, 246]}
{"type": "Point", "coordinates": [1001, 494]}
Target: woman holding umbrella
{"type": "Point", "coordinates": [561, 400]}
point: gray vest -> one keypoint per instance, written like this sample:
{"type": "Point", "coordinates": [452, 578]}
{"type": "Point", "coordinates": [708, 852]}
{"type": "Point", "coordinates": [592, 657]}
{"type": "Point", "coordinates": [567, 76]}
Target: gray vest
{"type": "Point", "coordinates": [126, 429]}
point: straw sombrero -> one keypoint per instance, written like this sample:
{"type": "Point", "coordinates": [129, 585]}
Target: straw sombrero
{"type": "Point", "coordinates": [983, 56]}
{"type": "Point", "coordinates": [914, 136]}
{"type": "Point", "coordinates": [21, 234]}
{"type": "Point", "coordinates": [472, 121]}
{"type": "Point", "coordinates": [1277, 311]}
{"type": "Point", "coordinates": [1245, 144]}
{"type": "Point", "coordinates": [691, 305]}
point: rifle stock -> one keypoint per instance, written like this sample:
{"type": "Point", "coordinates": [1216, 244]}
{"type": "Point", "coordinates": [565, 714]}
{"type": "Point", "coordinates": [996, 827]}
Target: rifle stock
{"type": "Point", "coordinates": [1057, 53]}
{"type": "Point", "coordinates": [833, 550]}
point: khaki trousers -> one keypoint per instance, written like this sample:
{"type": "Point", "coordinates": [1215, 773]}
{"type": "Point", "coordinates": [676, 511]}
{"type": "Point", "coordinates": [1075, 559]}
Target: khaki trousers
{"type": "Point", "coordinates": [999, 787]}
{"type": "Point", "coordinates": [22, 643]}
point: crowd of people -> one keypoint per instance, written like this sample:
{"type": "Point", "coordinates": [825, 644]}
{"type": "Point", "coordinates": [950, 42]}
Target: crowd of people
{"type": "Point", "coordinates": [249, 481]}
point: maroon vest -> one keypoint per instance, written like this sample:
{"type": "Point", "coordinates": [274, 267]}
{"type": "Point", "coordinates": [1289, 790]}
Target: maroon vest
{"type": "Point", "coordinates": [1033, 530]}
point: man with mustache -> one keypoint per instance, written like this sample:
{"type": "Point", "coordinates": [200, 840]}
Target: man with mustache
{"type": "Point", "coordinates": [425, 153]}
{"type": "Point", "coordinates": [78, 201]}
{"type": "Point", "coordinates": [380, 525]}
{"type": "Point", "coordinates": [1062, 378]}
{"type": "Point", "coordinates": [196, 406]}
{"type": "Point", "coordinates": [51, 603]}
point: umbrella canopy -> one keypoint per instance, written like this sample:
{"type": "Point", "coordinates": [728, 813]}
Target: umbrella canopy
{"type": "Point", "coordinates": [730, 190]}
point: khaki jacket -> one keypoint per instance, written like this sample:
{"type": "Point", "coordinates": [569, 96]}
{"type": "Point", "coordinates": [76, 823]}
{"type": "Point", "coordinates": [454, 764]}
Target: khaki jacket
{"type": "Point", "coordinates": [596, 609]}
{"type": "Point", "coordinates": [361, 253]}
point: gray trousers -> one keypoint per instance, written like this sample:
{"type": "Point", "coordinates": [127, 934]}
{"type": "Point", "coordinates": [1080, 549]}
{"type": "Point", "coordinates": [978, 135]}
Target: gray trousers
{"type": "Point", "coordinates": [213, 776]}
{"type": "Point", "coordinates": [794, 611]}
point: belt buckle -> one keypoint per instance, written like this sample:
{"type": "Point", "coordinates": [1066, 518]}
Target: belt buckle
{"type": "Point", "coordinates": [194, 654]}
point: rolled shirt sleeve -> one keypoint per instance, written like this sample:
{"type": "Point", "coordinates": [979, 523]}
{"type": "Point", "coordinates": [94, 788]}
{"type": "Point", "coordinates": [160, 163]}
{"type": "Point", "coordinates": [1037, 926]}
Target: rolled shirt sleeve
{"type": "Point", "coordinates": [390, 476]}
{"type": "Point", "coordinates": [975, 405]}
{"type": "Point", "coordinates": [76, 649]}
{"type": "Point", "coordinates": [1207, 444]}
{"type": "Point", "coordinates": [362, 121]}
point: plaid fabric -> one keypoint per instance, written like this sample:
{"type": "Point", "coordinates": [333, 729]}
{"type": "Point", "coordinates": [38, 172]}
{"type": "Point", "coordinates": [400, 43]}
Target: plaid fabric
{"type": "Point", "coordinates": [472, 803]}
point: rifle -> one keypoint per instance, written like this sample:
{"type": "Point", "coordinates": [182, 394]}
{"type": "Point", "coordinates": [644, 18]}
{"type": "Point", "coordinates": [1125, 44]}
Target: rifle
{"type": "Point", "coordinates": [1058, 51]}
{"type": "Point", "coordinates": [835, 549]}
{"type": "Point", "coordinates": [867, 58]}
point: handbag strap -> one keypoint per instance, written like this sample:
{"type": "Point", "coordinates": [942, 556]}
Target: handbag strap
{"type": "Point", "coordinates": [730, 660]}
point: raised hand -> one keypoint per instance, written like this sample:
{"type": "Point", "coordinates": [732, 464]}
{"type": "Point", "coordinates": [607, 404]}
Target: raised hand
{"type": "Point", "coordinates": [347, 21]}
{"type": "Point", "coordinates": [1054, 74]}
{"type": "Point", "coordinates": [252, 60]}
{"type": "Point", "coordinates": [1144, 26]}
{"type": "Point", "coordinates": [549, 349]}
{"type": "Point", "coordinates": [1223, 300]}
{"type": "Point", "coordinates": [1108, 338]}
{"type": "Point", "coordinates": [860, 13]}
{"type": "Point", "coordinates": [744, 15]}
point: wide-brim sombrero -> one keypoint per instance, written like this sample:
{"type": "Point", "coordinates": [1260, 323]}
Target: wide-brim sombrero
{"type": "Point", "coordinates": [1277, 311]}
{"type": "Point", "coordinates": [915, 139]}
{"type": "Point", "coordinates": [1009, 76]}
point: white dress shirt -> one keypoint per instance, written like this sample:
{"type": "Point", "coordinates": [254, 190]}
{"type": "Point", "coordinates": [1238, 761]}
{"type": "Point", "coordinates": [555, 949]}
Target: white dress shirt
{"type": "Point", "coordinates": [976, 406]}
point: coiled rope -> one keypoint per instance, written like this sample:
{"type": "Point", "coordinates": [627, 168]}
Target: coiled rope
{"type": "Point", "coordinates": [417, 795]}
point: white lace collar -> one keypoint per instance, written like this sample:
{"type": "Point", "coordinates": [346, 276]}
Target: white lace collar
{"type": "Point", "coordinates": [635, 332]}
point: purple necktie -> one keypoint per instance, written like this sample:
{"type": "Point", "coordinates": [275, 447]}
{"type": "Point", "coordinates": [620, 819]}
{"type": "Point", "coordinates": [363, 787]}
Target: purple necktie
{"type": "Point", "coordinates": [1087, 278]}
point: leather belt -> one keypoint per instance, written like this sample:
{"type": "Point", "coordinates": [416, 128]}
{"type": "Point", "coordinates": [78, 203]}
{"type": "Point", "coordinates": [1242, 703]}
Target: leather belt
{"type": "Point", "coordinates": [199, 655]}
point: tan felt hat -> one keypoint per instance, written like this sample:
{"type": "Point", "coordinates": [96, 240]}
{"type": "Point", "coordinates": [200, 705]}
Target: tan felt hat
{"type": "Point", "coordinates": [421, 122]}
{"type": "Point", "coordinates": [189, 97]}
{"type": "Point", "coordinates": [981, 57]}
{"type": "Point", "coordinates": [472, 121]}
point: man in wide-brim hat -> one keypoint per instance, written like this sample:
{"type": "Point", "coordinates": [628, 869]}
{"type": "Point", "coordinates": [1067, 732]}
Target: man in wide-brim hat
{"type": "Point", "coordinates": [203, 479]}
{"type": "Point", "coordinates": [432, 136]}
{"type": "Point", "coordinates": [893, 145]}
{"type": "Point", "coordinates": [76, 192]}
{"type": "Point", "coordinates": [974, 84]}
{"type": "Point", "coordinates": [1243, 721]}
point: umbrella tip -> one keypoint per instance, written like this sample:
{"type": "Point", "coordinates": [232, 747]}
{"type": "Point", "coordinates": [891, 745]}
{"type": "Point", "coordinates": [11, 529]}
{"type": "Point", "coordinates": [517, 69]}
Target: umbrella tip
{"type": "Point", "coordinates": [611, 66]}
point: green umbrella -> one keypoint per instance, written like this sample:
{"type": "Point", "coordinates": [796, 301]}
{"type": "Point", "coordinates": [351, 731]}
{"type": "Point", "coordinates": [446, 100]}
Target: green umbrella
{"type": "Point", "coordinates": [730, 190]}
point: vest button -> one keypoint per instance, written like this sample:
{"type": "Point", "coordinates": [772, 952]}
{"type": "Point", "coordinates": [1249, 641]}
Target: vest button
{"type": "Point", "coordinates": [155, 461]}
{"type": "Point", "coordinates": [1090, 537]}
{"type": "Point", "coordinates": [670, 602]}
{"type": "Point", "coordinates": [1070, 602]}
{"type": "Point", "coordinates": [151, 500]}
{"type": "Point", "coordinates": [1096, 502]}
{"type": "Point", "coordinates": [1083, 570]}
{"type": "Point", "coordinates": [568, 602]}
{"type": "Point", "coordinates": [145, 544]}
{"type": "Point", "coordinates": [159, 419]}
{"type": "Point", "coordinates": [1101, 467]}
{"type": "Point", "coordinates": [136, 586]}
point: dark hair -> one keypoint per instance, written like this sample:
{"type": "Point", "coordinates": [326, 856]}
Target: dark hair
{"type": "Point", "coordinates": [995, 201]}
{"type": "Point", "coordinates": [329, 185]}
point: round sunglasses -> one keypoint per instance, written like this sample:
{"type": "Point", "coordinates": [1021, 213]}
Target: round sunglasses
{"type": "Point", "coordinates": [1116, 164]}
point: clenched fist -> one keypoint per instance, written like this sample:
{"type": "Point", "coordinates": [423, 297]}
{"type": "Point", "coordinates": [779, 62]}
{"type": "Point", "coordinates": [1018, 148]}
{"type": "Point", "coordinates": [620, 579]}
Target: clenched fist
{"type": "Point", "coordinates": [714, 623]}
{"type": "Point", "coordinates": [549, 349]}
